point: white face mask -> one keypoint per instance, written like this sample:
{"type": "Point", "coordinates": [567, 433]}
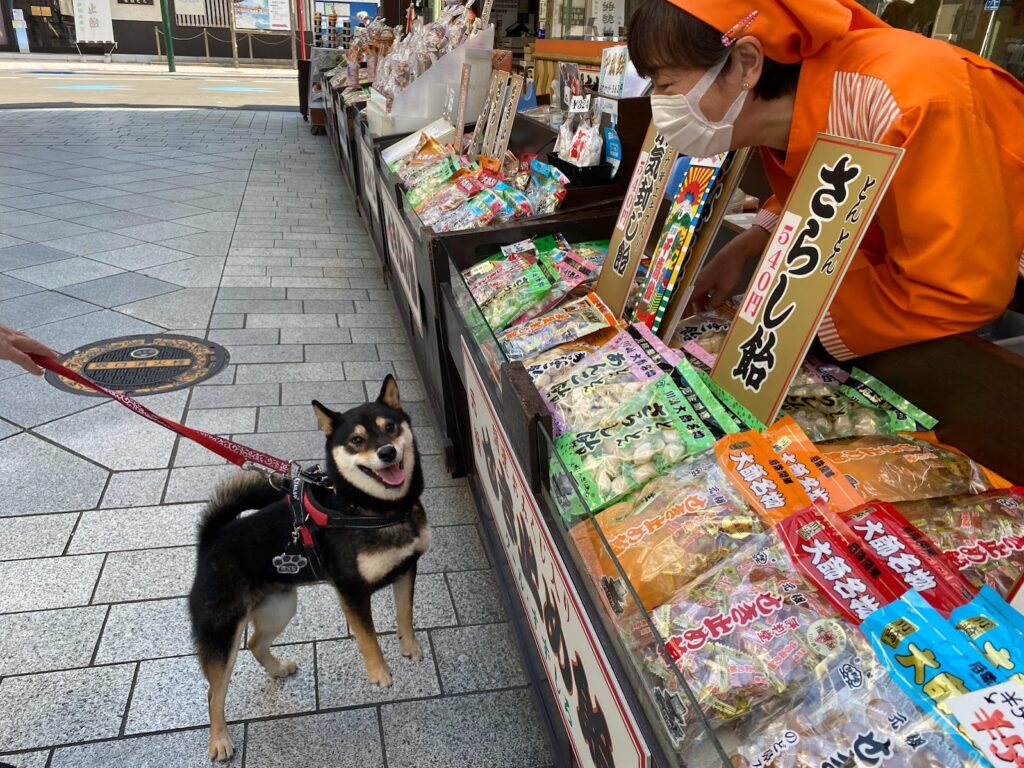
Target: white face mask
{"type": "Point", "coordinates": [681, 121]}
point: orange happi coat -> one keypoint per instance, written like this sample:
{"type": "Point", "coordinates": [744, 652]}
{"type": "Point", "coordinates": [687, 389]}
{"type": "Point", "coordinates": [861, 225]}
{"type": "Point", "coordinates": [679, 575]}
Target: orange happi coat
{"type": "Point", "coordinates": [943, 253]}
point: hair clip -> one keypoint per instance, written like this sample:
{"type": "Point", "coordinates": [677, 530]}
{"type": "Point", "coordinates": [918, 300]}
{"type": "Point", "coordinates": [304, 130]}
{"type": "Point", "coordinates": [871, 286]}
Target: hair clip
{"type": "Point", "coordinates": [736, 31]}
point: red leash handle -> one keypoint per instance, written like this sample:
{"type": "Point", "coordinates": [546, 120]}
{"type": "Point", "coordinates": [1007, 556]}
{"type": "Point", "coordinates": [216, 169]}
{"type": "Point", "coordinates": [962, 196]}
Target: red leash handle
{"type": "Point", "coordinates": [234, 452]}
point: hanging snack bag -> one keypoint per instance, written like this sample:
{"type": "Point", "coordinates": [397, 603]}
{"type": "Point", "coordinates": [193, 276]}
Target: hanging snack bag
{"type": "Point", "coordinates": [982, 536]}
{"type": "Point", "coordinates": [645, 436]}
{"type": "Point", "coordinates": [904, 467]}
{"type": "Point", "coordinates": [675, 529]}
{"type": "Point", "coordinates": [854, 715]}
{"type": "Point", "coordinates": [747, 635]}
{"type": "Point", "coordinates": [567, 323]}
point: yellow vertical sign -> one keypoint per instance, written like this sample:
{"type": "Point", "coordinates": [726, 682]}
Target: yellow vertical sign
{"type": "Point", "coordinates": [834, 199]}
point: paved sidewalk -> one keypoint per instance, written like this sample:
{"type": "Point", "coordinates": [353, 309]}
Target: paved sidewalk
{"type": "Point", "coordinates": [235, 226]}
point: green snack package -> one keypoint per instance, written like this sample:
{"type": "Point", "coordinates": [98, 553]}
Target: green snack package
{"type": "Point", "coordinates": [904, 416]}
{"type": "Point", "coordinates": [507, 303]}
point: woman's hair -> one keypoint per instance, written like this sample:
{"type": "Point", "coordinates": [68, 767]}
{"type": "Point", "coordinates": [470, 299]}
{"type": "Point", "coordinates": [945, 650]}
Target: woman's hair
{"type": "Point", "coordinates": [664, 36]}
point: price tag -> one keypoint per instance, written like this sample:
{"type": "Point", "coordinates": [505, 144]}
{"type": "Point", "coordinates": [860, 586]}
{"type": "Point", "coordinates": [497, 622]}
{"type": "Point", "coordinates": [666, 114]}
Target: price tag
{"type": "Point", "coordinates": [993, 718]}
{"type": "Point", "coordinates": [579, 103]}
{"type": "Point", "coordinates": [991, 5]}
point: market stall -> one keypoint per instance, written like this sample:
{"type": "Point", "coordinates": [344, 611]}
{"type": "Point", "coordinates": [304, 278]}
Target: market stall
{"type": "Point", "coordinates": [696, 576]}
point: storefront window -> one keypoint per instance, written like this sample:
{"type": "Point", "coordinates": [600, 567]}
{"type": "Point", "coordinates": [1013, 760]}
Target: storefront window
{"type": "Point", "coordinates": [50, 25]}
{"type": "Point", "coordinates": [583, 18]}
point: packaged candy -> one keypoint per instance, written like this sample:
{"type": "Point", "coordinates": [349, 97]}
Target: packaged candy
{"type": "Point", "coordinates": [520, 247]}
{"type": "Point", "coordinates": [598, 385]}
{"type": "Point", "coordinates": [567, 323]}
{"type": "Point", "coordinates": [546, 367]}
{"type": "Point", "coordinates": [994, 629]}
{"type": "Point", "coordinates": [904, 467]}
{"type": "Point", "coordinates": [833, 414]}
{"type": "Point", "coordinates": [491, 276]}
{"type": "Point", "coordinates": [747, 635]}
{"type": "Point", "coordinates": [675, 529]}
{"type": "Point", "coordinates": [854, 714]}
{"type": "Point", "coordinates": [510, 300]}
{"type": "Point", "coordinates": [929, 660]}
{"type": "Point", "coordinates": [565, 279]}
{"type": "Point", "coordinates": [904, 416]}
{"type": "Point", "coordinates": [982, 535]}
{"type": "Point", "coordinates": [837, 562]}
{"type": "Point", "coordinates": [584, 150]}
{"type": "Point", "coordinates": [907, 553]}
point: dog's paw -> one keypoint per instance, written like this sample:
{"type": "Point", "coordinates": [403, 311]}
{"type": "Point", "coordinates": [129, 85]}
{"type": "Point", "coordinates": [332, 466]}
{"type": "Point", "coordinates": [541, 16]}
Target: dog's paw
{"type": "Point", "coordinates": [411, 649]}
{"type": "Point", "coordinates": [284, 668]}
{"type": "Point", "coordinates": [221, 748]}
{"type": "Point", "coordinates": [380, 676]}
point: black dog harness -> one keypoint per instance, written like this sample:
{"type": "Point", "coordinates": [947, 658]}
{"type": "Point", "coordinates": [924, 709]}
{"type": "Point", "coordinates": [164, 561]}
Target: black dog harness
{"type": "Point", "coordinates": [310, 518]}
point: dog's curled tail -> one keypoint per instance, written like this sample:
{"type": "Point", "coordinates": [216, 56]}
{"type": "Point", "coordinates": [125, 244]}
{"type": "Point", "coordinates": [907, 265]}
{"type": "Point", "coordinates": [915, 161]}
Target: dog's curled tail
{"type": "Point", "coordinates": [233, 496]}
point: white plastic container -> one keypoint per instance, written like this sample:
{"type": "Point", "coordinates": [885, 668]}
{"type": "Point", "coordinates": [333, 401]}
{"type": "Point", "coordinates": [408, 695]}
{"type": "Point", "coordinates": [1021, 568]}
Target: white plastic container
{"type": "Point", "coordinates": [424, 100]}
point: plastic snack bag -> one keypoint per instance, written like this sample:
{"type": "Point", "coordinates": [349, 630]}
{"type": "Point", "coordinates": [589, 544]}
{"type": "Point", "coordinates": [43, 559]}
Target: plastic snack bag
{"type": "Point", "coordinates": [833, 414]}
{"type": "Point", "coordinates": [510, 300]}
{"type": "Point", "coordinates": [675, 529]}
{"type": "Point", "coordinates": [546, 367]}
{"type": "Point", "coordinates": [746, 636]}
{"type": "Point", "coordinates": [995, 630]}
{"type": "Point", "coordinates": [854, 715]}
{"type": "Point", "coordinates": [904, 416]}
{"type": "Point", "coordinates": [567, 323]}
{"type": "Point", "coordinates": [904, 467]}
{"type": "Point", "coordinates": [982, 536]}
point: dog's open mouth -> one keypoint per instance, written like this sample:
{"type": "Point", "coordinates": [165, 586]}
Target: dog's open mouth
{"type": "Point", "coordinates": [392, 476]}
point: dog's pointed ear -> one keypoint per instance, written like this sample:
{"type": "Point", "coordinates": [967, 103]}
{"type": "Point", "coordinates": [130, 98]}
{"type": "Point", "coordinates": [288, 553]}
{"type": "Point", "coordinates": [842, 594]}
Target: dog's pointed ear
{"type": "Point", "coordinates": [389, 394]}
{"type": "Point", "coordinates": [325, 416]}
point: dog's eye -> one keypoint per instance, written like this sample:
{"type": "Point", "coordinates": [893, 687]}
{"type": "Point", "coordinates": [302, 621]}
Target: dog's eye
{"type": "Point", "coordinates": [357, 440]}
{"type": "Point", "coordinates": [390, 428]}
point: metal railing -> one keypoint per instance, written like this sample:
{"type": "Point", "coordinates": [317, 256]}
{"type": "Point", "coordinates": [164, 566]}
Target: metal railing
{"type": "Point", "coordinates": [276, 38]}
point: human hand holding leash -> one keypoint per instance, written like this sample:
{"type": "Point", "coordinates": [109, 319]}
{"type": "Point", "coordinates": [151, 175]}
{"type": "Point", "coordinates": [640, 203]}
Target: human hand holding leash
{"type": "Point", "coordinates": [16, 346]}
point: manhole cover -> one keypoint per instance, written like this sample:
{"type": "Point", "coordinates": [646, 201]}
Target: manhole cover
{"type": "Point", "coordinates": [143, 365]}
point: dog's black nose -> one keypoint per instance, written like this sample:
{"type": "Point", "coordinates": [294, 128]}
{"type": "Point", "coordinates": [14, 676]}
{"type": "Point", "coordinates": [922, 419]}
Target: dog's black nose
{"type": "Point", "coordinates": [387, 453]}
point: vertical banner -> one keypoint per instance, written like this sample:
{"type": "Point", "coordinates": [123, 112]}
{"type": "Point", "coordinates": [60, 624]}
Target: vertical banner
{"type": "Point", "coordinates": [636, 219]}
{"type": "Point", "coordinates": [497, 97]}
{"type": "Point", "coordinates": [508, 116]}
{"type": "Point", "coordinates": [460, 115]}
{"type": "Point", "coordinates": [494, 91]}
{"type": "Point", "coordinates": [92, 21]}
{"type": "Point", "coordinates": [834, 199]}
{"type": "Point", "coordinates": [601, 728]}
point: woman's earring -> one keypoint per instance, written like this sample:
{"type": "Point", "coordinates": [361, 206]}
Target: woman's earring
{"type": "Point", "coordinates": [746, 86]}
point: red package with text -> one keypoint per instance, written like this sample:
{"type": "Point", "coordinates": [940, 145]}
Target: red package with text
{"type": "Point", "coordinates": [907, 553]}
{"type": "Point", "coordinates": [837, 563]}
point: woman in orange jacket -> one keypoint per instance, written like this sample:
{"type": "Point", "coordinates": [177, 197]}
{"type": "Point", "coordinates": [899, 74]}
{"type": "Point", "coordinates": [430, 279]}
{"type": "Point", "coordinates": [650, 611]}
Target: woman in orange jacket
{"type": "Point", "coordinates": [943, 253]}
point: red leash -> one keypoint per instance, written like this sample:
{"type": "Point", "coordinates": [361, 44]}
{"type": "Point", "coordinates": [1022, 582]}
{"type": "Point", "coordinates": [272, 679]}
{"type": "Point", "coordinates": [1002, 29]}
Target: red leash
{"type": "Point", "coordinates": [236, 453]}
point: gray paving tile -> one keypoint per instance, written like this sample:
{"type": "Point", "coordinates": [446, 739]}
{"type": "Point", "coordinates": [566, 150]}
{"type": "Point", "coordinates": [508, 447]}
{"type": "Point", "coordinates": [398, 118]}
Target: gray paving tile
{"type": "Point", "coordinates": [287, 372]}
{"type": "Point", "coordinates": [7, 429]}
{"type": "Point", "coordinates": [435, 473]}
{"type": "Point", "coordinates": [109, 530]}
{"type": "Point", "coordinates": [233, 270]}
{"type": "Point", "coordinates": [499, 730]}
{"type": "Point", "coordinates": [227, 321]}
{"type": "Point", "coordinates": [201, 244]}
{"type": "Point", "coordinates": [157, 231]}
{"type": "Point", "coordinates": [140, 256]}
{"type": "Point", "coordinates": [244, 281]}
{"type": "Point", "coordinates": [80, 487]}
{"type": "Point", "coordinates": [266, 353]}
{"type": "Point", "coordinates": [258, 306]}
{"type": "Point", "coordinates": [340, 352]}
{"type": "Point", "coordinates": [143, 487]}
{"type": "Point", "coordinates": [450, 505]}
{"type": "Point", "coordinates": [235, 395]}
{"type": "Point", "coordinates": [108, 219]}
{"type": "Point", "coordinates": [182, 194]}
{"type": "Point", "coordinates": [115, 437]}
{"type": "Point", "coordinates": [36, 759]}
{"type": "Point", "coordinates": [38, 308]}
{"type": "Point", "coordinates": [342, 681]}
{"type": "Point", "coordinates": [183, 749]}
{"type": "Point", "coordinates": [63, 707]}
{"type": "Point", "coordinates": [454, 548]}
{"type": "Point", "coordinates": [171, 693]}
{"type": "Point", "coordinates": [70, 334]}
{"type": "Point", "coordinates": [303, 393]}
{"type": "Point", "coordinates": [368, 371]}
{"type": "Point", "coordinates": [244, 336]}
{"type": "Point", "coordinates": [477, 658]}
{"type": "Point", "coordinates": [432, 605]}
{"type": "Point", "coordinates": [295, 446]}
{"type": "Point", "coordinates": [214, 221]}
{"type": "Point", "coordinates": [325, 293]}
{"type": "Point", "coordinates": [16, 255]}
{"type": "Point", "coordinates": [197, 272]}
{"type": "Point", "coordinates": [196, 483]}
{"type": "Point", "coordinates": [319, 617]}
{"type": "Point", "coordinates": [323, 307]}
{"type": "Point", "coordinates": [145, 574]}
{"type": "Point", "coordinates": [86, 243]}
{"type": "Point", "coordinates": [151, 629]}
{"type": "Point", "coordinates": [35, 536]}
{"type": "Point", "coordinates": [316, 336]}
{"type": "Point", "coordinates": [35, 201]}
{"type": "Point", "coordinates": [43, 641]}
{"type": "Point", "coordinates": [51, 582]}
{"type": "Point", "coordinates": [291, 418]}
{"type": "Point", "coordinates": [476, 596]}
{"type": "Point", "coordinates": [349, 738]}
{"type": "Point", "coordinates": [62, 273]}
{"type": "Point", "coordinates": [11, 287]}
{"type": "Point", "coordinates": [222, 421]}
{"type": "Point", "coordinates": [251, 293]}
{"type": "Point", "coordinates": [72, 209]}
{"type": "Point", "coordinates": [291, 321]}
{"type": "Point", "coordinates": [166, 211]}
{"type": "Point", "coordinates": [187, 308]}
{"type": "Point", "coordinates": [118, 289]}
{"type": "Point", "coordinates": [93, 192]}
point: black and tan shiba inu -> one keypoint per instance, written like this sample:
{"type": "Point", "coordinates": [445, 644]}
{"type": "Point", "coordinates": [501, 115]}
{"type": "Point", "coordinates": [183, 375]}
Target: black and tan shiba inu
{"type": "Point", "coordinates": [374, 472]}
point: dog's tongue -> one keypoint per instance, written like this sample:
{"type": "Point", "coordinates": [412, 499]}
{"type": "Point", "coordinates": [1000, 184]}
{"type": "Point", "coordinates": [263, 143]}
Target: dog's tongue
{"type": "Point", "coordinates": [393, 475]}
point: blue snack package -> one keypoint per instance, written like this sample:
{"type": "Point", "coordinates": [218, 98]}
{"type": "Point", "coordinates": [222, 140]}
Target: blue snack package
{"type": "Point", "coordinates": [994, 629]}
{"type": "Point", "coordinates": [930, 661]}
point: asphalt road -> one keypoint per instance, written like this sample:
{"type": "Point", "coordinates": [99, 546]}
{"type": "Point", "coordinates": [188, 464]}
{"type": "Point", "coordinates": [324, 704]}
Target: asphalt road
{"type": "Point", "coordinates": [32, 85]}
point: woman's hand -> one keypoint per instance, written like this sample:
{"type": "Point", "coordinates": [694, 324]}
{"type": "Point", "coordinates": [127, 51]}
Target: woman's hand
{"type": "Point", "coordinates": [15, 346]}
{"type": "Point", "coordinates": [720, 278]}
